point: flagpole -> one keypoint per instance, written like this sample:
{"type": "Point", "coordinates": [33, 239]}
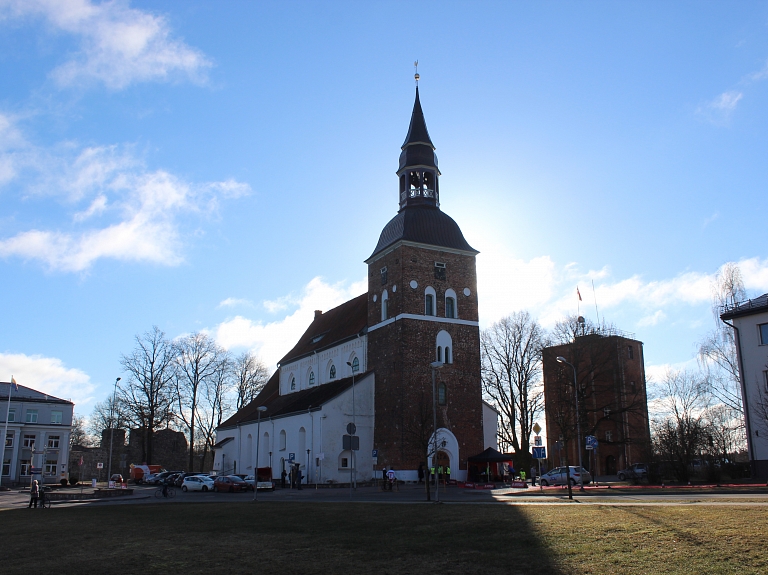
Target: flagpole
{"type": "Point", "coordinates": [5, 434]}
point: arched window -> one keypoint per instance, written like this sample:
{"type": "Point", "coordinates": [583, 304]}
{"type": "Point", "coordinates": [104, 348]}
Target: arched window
{"type": "Point", "coordinates": [355, 365]}
{"type": "Point", "coordinates": [283, 440]}
{"type": "Point", "coordinates": [450, 304]}
{"type": "Point", "coordinates": [333, 372]}
{"type": "Point", "coordinates": [444, 343]}
{"type": "Point", "coordinates": [441, 394]}
{"type": "Point", "coordinates": [429, 301]}
{"type": "Point", "coordinates": [311, 378]}
{"type": "Point", "coordinates": [384, 305]}
{"type": "Point", "coordinates": [293, 383]}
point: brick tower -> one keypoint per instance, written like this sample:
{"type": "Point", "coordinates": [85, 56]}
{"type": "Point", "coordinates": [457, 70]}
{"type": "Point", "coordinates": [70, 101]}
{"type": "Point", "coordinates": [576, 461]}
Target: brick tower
{"type": "Point", "coordinates": [422, 308]}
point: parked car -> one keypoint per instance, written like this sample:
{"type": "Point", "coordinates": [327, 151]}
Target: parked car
{"type": "Point", "coordinates": [265, 479]}
{"type": "Point", "coordinates": [635, 471]}
{"type": "Point", "coordinates": [182, 476]}
{"type": "Point", "coordinates": [158, 478]}
{"type": "Point", "coordinates": [230, 483]}
{"type": "Point", "coordinates": [197, 483]}
{"type": "Point", "coordinates": [558, 476]}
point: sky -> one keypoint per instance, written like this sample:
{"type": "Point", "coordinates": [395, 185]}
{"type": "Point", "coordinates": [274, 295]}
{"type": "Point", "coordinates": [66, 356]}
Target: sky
{"type": "Point", "coordinates": [227, 167]}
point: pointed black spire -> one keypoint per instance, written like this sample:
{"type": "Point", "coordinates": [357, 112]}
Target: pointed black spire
{"type": "Point", "coordinates": [417, 130]}
{"type": "Point", "coordinates": [418, 170]}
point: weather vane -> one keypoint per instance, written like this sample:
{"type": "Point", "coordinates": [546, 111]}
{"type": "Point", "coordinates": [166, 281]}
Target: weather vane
{"type": "Point", "coordinates": [416, 69]}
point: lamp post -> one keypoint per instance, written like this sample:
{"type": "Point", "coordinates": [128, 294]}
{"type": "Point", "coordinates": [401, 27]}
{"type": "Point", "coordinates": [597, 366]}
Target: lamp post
{"type": "Point", "coordinates": [259, 410]}
{"type": "Point", "coordinates": [352, 476]}
{"type": "Point", "coordinates": [112, 431]}
{"type": "Point", "coordinates": [561, 359]}
{"type": "Point", "coordinates": [435, 365]}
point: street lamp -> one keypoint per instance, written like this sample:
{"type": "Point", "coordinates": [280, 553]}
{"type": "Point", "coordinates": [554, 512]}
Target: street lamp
{"type": "Point", "coordinates": [112, 431]}
{"type": "Point", "coordinates": [352, 476]}
{"type": "Point", "coordinates": [561, 359]}
{"type": "Point", "coordinates": [259, 410]}
{"type": "Point", "coordinates": [435, 365]}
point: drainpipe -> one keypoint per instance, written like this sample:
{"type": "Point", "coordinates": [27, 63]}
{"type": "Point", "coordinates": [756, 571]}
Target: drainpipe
{"type": "Point", "coordinates": [744, 398]}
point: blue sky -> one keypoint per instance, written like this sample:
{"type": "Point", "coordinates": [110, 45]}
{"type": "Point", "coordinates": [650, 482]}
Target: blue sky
{"type": "Point", "coordinates": [228, 166]}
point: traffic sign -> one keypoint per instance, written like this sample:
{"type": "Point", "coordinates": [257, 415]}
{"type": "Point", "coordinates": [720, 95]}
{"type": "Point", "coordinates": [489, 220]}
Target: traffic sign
{"type": "Point", "coordinates": [291, 457]}
{"type": "Point", "coordinates": [536, 428]}
{"type": "Point", "coordinates": [351, 428]}
{"type": "Point", "coordinates": [537, 440]}
{"type": "Point", "coordinates": [375, 453]}
{"type": "Point", "coordinates": [539, 452]}
{"type": "Point", "coordinates": [591, 442]}
{"type": "Point", "coordinates": [99, 465]}
{"type": "Point", "coordinates": [350, 443]}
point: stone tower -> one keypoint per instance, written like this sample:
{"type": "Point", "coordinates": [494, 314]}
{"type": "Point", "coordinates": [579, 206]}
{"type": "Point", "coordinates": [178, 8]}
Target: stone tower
{"type": "Point", "coordinates": [422, 308]}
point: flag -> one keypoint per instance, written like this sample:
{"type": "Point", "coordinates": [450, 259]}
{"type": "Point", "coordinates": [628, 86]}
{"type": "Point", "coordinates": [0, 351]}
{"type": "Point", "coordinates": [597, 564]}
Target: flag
{"type": "Point", "coordinates": [15, 385]}
{"type": "Point", "coordinates": [578, 293]}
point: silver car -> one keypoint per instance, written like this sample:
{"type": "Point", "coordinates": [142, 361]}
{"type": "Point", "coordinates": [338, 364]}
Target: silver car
{"type": "Point", "coordinates": [558, 476]}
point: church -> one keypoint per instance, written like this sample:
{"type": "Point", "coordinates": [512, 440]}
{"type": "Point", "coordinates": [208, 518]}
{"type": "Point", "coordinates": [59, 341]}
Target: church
{"type": "Point", "coordinates": [382, 360]}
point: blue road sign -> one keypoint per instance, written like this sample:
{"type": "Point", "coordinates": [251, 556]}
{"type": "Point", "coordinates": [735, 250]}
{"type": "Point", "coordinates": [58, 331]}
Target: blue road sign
{"type": "Point", "coordinates": [591, 441]}
{"type": "Point", "coordinates": [375, 453]}
{"type": "Point", "coordinates": [291, 457]}
{"type": "Point", "coordinates": [539, 452]}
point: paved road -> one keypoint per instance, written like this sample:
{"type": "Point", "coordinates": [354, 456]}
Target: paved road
{"type": "Point", "coordinates": [416, 494]}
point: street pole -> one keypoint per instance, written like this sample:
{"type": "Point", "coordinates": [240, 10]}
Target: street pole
{"type": "Point", "coordinates": [261, 409]}
{"type": "Point", "coordinates": [578, 423]}
{"type": "Point", "coordinates": [111, 431]}
{"type": "Point", "coordinates": [5, 432]}
{"type": "Point", "coordinates": [435, 365]}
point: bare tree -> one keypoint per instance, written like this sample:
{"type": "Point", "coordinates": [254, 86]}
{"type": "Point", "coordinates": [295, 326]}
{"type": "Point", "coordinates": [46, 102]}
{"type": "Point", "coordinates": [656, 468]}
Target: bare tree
{"type": "Point", "coordinates": [108, 414]}
{"type": "Point", "coordinates": [79, 434]}
{"type": "Point", "coordinates": [717, 351]}
{"type": "Point", "coordinates": [251, 375]}
{"type": "Point", "coordinates": [198, 358]}
{"type": "Point", "coordinates": [680, 430]}
{"type": "Point", "coordinates": [215, 403]}
{"type": "Point", "coordinates": [511, 375]}
{"type": "Point", "coordinates": [148, 393]}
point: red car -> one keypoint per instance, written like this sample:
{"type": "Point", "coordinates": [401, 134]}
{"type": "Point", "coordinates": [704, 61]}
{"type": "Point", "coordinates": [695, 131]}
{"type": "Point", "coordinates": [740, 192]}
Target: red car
{"type": "Point", "coordinates": [230, 483]}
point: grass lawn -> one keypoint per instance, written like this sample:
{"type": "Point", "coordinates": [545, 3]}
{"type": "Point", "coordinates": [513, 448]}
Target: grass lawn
{"type": "Point", "coordinates": [276, 537]}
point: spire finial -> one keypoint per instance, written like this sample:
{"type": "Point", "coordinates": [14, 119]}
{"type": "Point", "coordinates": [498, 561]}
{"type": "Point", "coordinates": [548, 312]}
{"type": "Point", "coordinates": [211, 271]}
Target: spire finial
{"type": "Point", "coordinates": [416, 70]}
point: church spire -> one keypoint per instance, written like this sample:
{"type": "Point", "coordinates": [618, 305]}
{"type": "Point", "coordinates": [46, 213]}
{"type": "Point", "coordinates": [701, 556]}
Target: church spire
{"type": "Point", "coordinates": [418, 170]}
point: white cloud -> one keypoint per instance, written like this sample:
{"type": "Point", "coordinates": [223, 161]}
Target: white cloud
{"type": "Point", "coordinates": [273, 340]}
{"type": "Point", "coordinates": [653, 319]}
{"type": "Point", "coordinates": [48, 375]}
{"type": "Point", "coordinates": [710, 219]}
{"type": "Point", "coordinates": [719, 110]}
{"type": "Point", "coordinates": [136, 212]}
{"type": "Point", "coordinates": [234, 302]}
{"type": "Point", "coordinates": [119, 45]}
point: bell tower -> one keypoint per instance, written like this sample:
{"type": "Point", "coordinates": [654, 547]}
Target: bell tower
{"type": "Point", "coordinates": [422, 308]}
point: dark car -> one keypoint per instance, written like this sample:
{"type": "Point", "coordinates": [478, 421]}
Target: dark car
{"type": "Point", "coordinates": [230, 483]}
{"type": "Point", "coordinates": [180, 478]}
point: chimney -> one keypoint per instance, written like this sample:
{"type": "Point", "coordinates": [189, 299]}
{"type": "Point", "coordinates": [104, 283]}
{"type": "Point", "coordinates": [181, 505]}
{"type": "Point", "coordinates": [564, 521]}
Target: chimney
{"type": "Point", "coordinates": [318, 313]}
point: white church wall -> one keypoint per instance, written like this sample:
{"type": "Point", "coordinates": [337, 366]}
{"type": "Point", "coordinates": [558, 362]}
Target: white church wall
{"type": "Point", "coordinates": [490, 427]}
{"type": "Point", "coordinates": [320, 364]}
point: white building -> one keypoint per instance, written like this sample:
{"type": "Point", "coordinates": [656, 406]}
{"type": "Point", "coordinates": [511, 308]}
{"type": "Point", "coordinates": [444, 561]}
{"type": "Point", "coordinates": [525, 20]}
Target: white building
{"type": "Point", "coordinates": [37, 437]}
{"type": "Point", "coordinates": [749, 320]}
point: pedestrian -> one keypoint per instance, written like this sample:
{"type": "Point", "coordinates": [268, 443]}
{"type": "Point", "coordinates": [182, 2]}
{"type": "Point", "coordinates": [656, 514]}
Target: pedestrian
{"type": "Point", "coordinates": [34, 494]}
{"type": "Point", "coordinates": [421, 473]}
{"type": "Point", "coordinates": [533, 475]}
{"type": "Point", "coordinates": [298, 478]}
{"type": "Point", "coordinates": [165, 489]}
{"type": "Point", "coordinates": [384, 480]}
{"type": "Point", "coordinates": [447, 472]}
{"type": "Point", "coordinates": [432, 474]}
{"type": "Point", "coordinates": [282, 479]}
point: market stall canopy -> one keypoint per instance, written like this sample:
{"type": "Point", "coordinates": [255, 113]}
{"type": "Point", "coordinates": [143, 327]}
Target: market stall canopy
{"type": "Point", "coordinates": [490, 455]}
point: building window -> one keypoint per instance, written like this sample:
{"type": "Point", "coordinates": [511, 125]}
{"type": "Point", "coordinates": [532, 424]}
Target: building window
{"type": "Point", "coordinates": [441, 394]}
{"type": "Point", "coordinates": [765, 380]}
{"type": "Point", "coordinates": [283, 440]}
{"type": "Point", "coordinates": [383, 275]}
{"type": "Point", "coordinates": [630, 352]}
{"type": "Point", "coordinates": [12, 415]}
{"type": "Point", "coordinates": [439, 271]}
{"type": "Point", "coordinates": [6, 466]}
{"type": "Point", "coordinates": [384, 305]}
{"type": "Point", "coordinates": [448, 357]}
{"type": "Point", "coordinates": [608, 436]}
{"type": "Point", "coordinates": [450, 307]}
{"type": "Point", "coordinates": [29, 441]}
{"type": "Point", "coordinates": [311, 378]}
{"type": "Point", "coordinates": [50, 467]}
{"type": "Point", "coordinates": [9, 439]}
{"type": "Point", "coordinates": [53, 442]}
{"type": "Point", "coordinates": [293, 383]}
{"type": "Point", "coordinates": [333, 372]}
{"type": "Point", "coordinates": [56, 417]}
{"type": "Point", "coordinates": [31, 416]}
{"type": "Point", "coordinates": [24, 466]}
{"type": "Point", "coordinates": [763, 333]}
{"type": "Point", "coordinates": [355, 365]}
{"type": "Point", "coordinates": [429, 304]}
{"type": "Point", "coordinates": [440, 353]}
{"type": "Point", "coordinates": [344, 463]}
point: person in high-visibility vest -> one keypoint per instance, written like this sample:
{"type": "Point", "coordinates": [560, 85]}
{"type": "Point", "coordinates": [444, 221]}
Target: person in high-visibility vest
{"type": "Point", "coordinates": [439, 472]}
{"type": "Point", "coordinates": [432, 474]}
{"type": "Point", "coordinates": [447, 473]}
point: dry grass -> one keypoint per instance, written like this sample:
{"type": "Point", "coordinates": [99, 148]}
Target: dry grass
{"type": "Point", "coordinates": [370, 538]}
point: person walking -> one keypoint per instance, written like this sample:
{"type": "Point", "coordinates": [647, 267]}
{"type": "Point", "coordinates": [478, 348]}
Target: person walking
{"type": "Point", "coordinates": [34, 494]}
{"type": "Point", "coordinates": [421, 473]}
{"type": "Point", "coordinates": [282, 479]}
{"type": "Point", "coordinates": [533, 475]}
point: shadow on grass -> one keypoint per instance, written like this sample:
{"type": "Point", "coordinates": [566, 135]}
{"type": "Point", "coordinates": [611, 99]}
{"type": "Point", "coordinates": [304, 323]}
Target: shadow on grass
{"type": "Point", "coordinates": [277, 538]}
